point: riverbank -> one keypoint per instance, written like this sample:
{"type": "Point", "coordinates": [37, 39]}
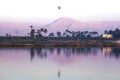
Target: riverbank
{"type": "Point", "coordinates": [48, 41]}
{"type": "Point", "coordinates": [77, 44]}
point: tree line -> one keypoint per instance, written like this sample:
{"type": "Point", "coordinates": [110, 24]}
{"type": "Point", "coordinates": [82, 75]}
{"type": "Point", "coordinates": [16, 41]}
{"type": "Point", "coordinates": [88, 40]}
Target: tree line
{"type": "Point", "coordinates": [115, 33]}
{"type": "Point", "coordinates": [67, 33]}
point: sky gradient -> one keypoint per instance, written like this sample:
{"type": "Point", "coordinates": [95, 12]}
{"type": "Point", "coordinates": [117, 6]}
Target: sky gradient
{"type": "Point", "coordinates": [45, 10]}
{"type": "Point", "coordinates": [18, 15]}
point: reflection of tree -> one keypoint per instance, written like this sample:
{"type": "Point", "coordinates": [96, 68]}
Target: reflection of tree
{"type": "Point", "coordinates": [87, 51]}
{"type": "Point", "coordinates": [51, 50]}
{"type": "Point", "coordinates": [38, 51]}
{"type": "Point", "coordinates": [115, 52]}
{"type": "Point", "coordinates": [69, 52]}
{"type": "Point", "coordinates": [41, 52]}
{"type": "Point", "coordinates": [32, 53]}
{"type": "Point", "coordinates": [112, 51]}
{"type": "Point", "coordinates": [58, 50]}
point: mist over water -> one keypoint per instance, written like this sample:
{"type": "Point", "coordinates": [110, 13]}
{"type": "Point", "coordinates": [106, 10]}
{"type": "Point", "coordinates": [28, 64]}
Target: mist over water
{"type": "Point", "coordinates": [65, 63]}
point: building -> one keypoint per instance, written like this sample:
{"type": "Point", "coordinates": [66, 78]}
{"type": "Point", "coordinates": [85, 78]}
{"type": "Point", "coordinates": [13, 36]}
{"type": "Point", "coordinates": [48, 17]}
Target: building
{"type": "Point", "coordinates": [107, 36]}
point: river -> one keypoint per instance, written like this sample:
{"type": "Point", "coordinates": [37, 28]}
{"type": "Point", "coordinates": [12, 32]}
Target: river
{"type": "Point", "coordinates": [60, 63]}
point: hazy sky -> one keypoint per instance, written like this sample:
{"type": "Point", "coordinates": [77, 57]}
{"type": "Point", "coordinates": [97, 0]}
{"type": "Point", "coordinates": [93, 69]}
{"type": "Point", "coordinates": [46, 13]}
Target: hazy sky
{"type": "Point", "coordinates": [42, 10]}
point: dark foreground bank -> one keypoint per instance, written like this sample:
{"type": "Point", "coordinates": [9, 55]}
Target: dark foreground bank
{"type": "Point", "coordinates": [55, 41]}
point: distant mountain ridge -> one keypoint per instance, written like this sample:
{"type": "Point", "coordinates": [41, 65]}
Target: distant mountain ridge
{"type": "Point", "coordinates": [60, 24]}
{"type": "Point", "coordinates": [64, 23]}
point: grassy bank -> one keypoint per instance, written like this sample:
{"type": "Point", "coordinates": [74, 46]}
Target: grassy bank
{"type": "Point", "coordinates": [48, 41]}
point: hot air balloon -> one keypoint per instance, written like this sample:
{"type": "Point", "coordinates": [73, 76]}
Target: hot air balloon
{"type": "Point", "coordinates": [59, 7]}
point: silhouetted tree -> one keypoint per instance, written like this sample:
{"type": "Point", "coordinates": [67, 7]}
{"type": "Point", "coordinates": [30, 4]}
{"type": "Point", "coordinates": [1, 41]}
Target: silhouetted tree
{"type": "Point", "coordinates": [32, 32]}
{"type": "Point", "coordinates": [31, 27]}
{"type": "Point", "coordinates": [115, 33]}
{"type": "Point", "coordinates": [73, 33]}
{"type": "Point", "coordinates": [85, 33]}
{"type": "Point", "coordinates": [45, 31]}
{"type": "Point", "coordinates": [95, 33]}
{"type": "Point", "coordinates": [105, 32]}
{"type": "Point", "coordinates": [51, 35]}
{"type": "Point", "coordinates": [58, 34]}
{"type": "Point", "coordinates": [64, 34]}
{"type": "Point", "coordinates": [79, 34]}
{"type": "Point", "coordinates": [7, 34]}
{"type": "Point", "coordinates": [39, 33]}
{"type": "Point", "coordinates": [68, 32]}
{"type": "Point", "coordinates": [28, 34]}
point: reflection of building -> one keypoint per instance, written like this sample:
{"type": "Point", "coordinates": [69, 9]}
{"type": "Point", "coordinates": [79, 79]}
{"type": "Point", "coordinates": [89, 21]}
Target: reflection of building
{"type": "Point", "coordinates": [107, 50]}
{"type": "Point", "coordinates": [112, 51]}
{"type": "Point", "coordinates": [108, 36]}
{"type": "Point", "coordinates": [70, 55]}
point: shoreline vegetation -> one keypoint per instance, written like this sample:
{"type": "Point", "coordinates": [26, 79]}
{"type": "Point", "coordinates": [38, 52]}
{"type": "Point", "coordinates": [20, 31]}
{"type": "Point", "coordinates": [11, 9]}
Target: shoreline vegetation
{"type": "Point", "coordinates": [55, 41]}
{"type": "Point", "coordinates": [67, 38]}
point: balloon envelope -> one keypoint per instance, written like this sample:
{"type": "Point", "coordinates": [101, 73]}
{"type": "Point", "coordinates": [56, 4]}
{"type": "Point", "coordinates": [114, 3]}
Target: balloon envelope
{"type": "Point", "coordinates": [59, 7]}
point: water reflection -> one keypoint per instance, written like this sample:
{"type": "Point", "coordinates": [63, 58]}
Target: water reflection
{"type": "Point", "coordinates": [68, 52]}
{"type": "Point", "coordinates": [38, 51]}
{"type": "Point", "coordinates": [32, 53]}
{"type": "Point", "coordinates": [112, 52]}
{"type": "Point", "coordinates": [64, 63]}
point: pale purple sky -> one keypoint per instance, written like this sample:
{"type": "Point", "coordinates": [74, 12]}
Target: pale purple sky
{"type": "Point", "coordinates": [46, 10]}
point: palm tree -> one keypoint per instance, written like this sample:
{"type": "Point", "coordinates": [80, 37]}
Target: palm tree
{"type": "Point", "coordinates": [95, 33]}
{"type": "Point", "coordinates": [41, 29]}
{"type": "Point", "coordinates": [64, 34]}
{"type": "Point", "coordinates": [31, 27]}
{"type": "Point", "coordinates": [39, 33]}
{"type": "Point", "coordinates": [32, 32]}
{"type": "Point", "coordinates": [79, 34]}
{"type": "Point", "coordinates": [7, 34]}
{"type": "Point", "coordinates": [117, 29]}
{"type": "Point", "coordinates": [90, 34]}
{"type": "Point", "coordinates": [58, 34]}
{"type": "Point", "coordinates": [28, 34]}
{"type": "Point", "coordinates": [68, 32]}
{"type": "Point", "coordinates": [51, 35]}
{"type": "Point", "coordinates": [105, 32]}
{"type": "Point", "coordinates": [116, 33]}
{"type": "Point", "coordinates": [85, 32]}
{"type": "Point", "coordinates": [45, 31]}
{"type": "Point", "coordinates": [73, 34]}
{"type": "Point", "coordinates": [110, 32]}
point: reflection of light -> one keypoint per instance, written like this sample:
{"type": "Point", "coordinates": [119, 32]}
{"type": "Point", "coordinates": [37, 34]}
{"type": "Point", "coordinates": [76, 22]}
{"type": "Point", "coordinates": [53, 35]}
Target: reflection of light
{"type": "Point", "coordinates": [107, 50]}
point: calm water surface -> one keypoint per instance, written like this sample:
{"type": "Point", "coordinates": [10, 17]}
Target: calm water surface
{"type": "Point", "coordinates": [62, 63]}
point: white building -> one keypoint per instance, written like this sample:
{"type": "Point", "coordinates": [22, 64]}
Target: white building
{"type": "Point", "coordinates": [107, 36]}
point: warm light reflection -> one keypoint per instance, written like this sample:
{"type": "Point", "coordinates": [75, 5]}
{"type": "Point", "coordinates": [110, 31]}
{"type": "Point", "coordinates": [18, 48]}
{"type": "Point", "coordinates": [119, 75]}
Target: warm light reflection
{"type": "Point", "coordinates": [107, 50]}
